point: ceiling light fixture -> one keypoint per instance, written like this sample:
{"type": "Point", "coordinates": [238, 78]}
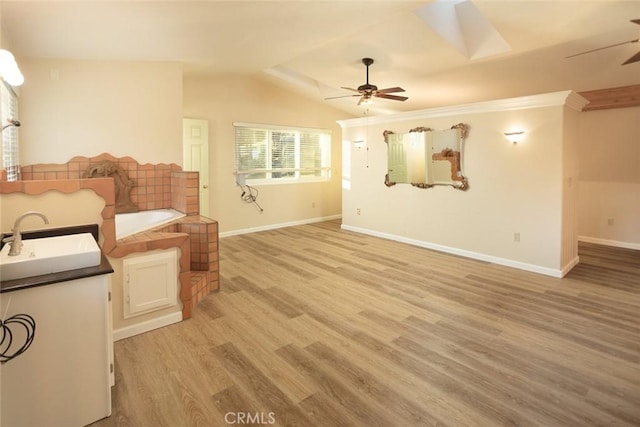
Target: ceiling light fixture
{"type": "Point", "coordinates": [9, 70]}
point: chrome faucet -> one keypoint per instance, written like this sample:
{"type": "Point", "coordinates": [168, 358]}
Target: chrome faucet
{"type": "Point", "coordinates": [15, 241]}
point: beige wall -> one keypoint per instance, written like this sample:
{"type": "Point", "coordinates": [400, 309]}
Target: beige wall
{"type": "Point", "coordinates": [609, 184]}
{"type": "Point", "coordinates": [570, 174]}
{"type": "Point", "coordinates": [513, 188]}
{"type": "Point", "coordinates": [71, 108]}
{"type": "Point", "coordinates": [55, 205]}
{"type": "Point", "coordinates": [225, 100]}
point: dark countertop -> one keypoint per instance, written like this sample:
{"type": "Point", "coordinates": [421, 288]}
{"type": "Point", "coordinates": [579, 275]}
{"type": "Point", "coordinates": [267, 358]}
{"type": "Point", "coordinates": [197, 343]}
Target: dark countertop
{"type": "Point", "coordinates": [62, 276]}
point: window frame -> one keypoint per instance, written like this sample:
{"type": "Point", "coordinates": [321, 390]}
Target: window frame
{"type": "Point", "coordinates": [295, 172]}
{"type": "Point", "coordinates": [10, 144]}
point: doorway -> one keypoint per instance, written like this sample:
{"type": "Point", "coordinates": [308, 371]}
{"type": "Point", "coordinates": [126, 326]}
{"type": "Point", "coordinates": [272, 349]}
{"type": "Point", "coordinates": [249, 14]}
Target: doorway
{"type": "Point", "coordinates": [195, 156]}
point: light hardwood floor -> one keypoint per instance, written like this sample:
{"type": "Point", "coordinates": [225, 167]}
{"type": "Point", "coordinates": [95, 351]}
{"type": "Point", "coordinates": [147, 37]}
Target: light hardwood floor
{"type": "Point", "coordinates": [315, 326]}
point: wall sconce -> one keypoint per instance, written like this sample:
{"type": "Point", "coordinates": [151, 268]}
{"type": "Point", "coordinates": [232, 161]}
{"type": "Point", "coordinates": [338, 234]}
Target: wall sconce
{"type": "Point", "coordinates": [515, 137]}
{"type": "Point", "coordinates": [9, 69]}
{"type": "Point", "coordinates": [359, 144]}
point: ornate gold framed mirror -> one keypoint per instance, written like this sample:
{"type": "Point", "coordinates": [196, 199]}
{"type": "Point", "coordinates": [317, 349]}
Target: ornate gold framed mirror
{"type": "Point", "coordinates": [424, 157]}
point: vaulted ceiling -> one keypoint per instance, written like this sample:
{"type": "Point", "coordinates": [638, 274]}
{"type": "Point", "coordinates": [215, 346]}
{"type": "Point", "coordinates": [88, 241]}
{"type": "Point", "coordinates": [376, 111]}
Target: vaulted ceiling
{"type": "Point", "coordinates": [440, 52]}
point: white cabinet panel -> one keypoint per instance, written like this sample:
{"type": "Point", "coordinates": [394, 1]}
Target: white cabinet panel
{"type": "Point", "coordinates": [150, 283]}
{"type": "Point", "coordinates": [63, 378]}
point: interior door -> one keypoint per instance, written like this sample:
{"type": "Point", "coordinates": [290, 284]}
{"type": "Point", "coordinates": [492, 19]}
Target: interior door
{"type": "Point", "coordinates": [195, 153]}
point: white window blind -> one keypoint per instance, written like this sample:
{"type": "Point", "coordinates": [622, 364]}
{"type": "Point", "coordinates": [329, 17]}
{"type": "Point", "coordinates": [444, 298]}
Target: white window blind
{"type": "Point", "coordinates": [266, 153]}
{"type": "Point", "coordinates": [9, 110]}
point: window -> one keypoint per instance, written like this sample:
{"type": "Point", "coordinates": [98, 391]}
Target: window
{"type": "Point", "coordinates": [9, 110]}
{"type": "Point", "coordinates": [274, 154]}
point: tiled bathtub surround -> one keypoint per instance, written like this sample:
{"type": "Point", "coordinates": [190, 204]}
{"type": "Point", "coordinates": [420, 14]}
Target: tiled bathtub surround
{"type": "Point", "coordinates": [185, 192]}
{"type": "Point", "coordinates": [157, 187]}
{"type": "Point", "coordinates": [152, 188]}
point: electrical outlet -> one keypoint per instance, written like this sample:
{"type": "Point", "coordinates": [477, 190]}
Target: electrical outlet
{"type": "Point", "coordinates": [610, 221]}
{"type": "Point", "coordinates": [516, 237]}
{"type": "Point", "coordinates": [358, 211]}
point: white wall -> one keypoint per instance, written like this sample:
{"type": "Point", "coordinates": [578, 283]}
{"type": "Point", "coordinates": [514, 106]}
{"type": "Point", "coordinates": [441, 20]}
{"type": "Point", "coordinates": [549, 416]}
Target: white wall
{"type": "Point", "coordinates": [70, 108]}
{"type": "Point", "coordinates": [223, 100]}
{"type": "Point", "coordinates": [609, 185]}
{"type": "Point", "coordinates": [513, 188]}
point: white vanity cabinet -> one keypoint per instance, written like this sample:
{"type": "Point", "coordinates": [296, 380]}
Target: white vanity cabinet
{"type": "Point", "coordinates": [64, 378]}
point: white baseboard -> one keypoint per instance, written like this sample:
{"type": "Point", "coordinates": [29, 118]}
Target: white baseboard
{"type": "Point", "coordinates": [567, 268]}
{"type": "Point", "coordinates": [280, 225]}
{"type": "Point", "coordinates": [607, 242]}
{"type": "Point", "coordinates": [461, 252]}
{"type": "Point", "coordinates": [146, 326]}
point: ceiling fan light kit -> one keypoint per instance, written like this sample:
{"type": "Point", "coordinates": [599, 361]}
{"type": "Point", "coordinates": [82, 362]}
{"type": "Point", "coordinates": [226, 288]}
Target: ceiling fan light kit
{"type": "Point", "coordinates": [368, 91]}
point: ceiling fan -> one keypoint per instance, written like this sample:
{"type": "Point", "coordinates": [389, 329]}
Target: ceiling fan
{"type": "Point", "coordinates": [368, 91]}
{"type": "Point", "coordinates": [634, 58]}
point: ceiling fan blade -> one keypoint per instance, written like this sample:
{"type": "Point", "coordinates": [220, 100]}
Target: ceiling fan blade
{"type": "Point", "coordinates": [602, 48]}
{"type": "Point", "coordinates": [390, 90]}
{"type": "Point", "coordinates": [342, 96]}
{"type": "Point", "coordinates": [634, 58]}
{"type": "Point", "coordinates": [394, 97]}
{"type": "Point", "coordinates": [367, 90]}
{"type": "Point", "coordinates": [635, 21]}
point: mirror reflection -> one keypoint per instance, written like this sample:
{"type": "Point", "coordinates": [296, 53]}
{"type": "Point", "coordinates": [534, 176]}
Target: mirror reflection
{"type": "Point", "coordinates": [424, 157]}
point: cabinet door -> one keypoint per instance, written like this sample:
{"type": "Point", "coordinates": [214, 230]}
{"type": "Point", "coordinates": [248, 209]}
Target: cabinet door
{"type": "Point", "coordinates": [63, 377]}
{"type": "Point", "coordinates": [150, 283]}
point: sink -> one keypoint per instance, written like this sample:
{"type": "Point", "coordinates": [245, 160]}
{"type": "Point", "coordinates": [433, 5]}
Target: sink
{"type": "Point", "coordinates": [50, 255]}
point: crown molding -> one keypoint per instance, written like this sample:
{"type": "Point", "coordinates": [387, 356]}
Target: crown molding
{"type": "Point", "coordinates": [569, 98]}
